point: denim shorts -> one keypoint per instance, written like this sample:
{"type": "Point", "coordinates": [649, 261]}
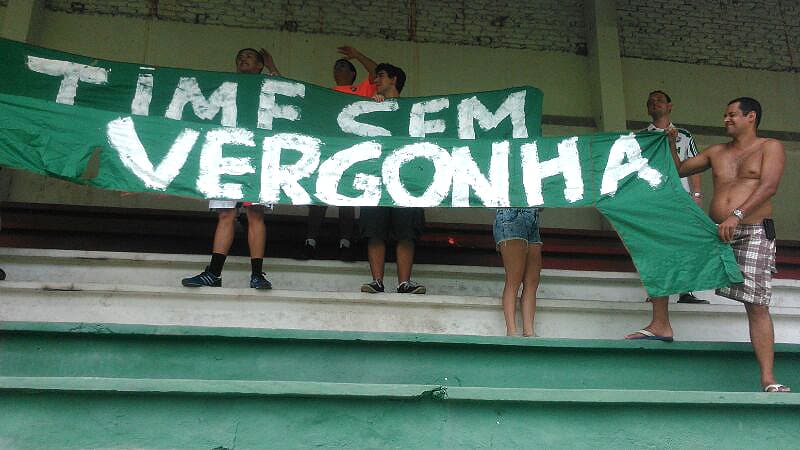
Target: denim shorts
{"type": "Point", "coordinates": [517, 223]}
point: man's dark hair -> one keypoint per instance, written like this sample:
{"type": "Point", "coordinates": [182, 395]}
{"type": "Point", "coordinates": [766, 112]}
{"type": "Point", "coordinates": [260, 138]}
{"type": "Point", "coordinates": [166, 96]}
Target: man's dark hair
{"type": "Point", "coordinates": [259, 56]}
{"type": "Point", "coordinates": [344, 62]}
{"type": "Point", "coordinates": [393, 72]}
{"type": "Point", "coordinates": [659, 91]}
{"type": "Point", "coordinates": [747, 104]}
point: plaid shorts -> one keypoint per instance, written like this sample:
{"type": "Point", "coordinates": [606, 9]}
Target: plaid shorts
{"type": "Point", "coordinates": [756, 257]}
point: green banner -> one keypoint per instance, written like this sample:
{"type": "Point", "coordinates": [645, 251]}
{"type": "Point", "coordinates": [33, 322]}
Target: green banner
{"type": "Point", "coordinates": [266, 139]}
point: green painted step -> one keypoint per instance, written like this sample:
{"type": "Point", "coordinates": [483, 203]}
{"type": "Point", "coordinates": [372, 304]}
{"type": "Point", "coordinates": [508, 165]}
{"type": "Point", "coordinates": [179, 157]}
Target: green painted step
{"type": "Point", "coordinates": [161, 353]}
{"type": "Point", "coordinates": [78, 413]}
{"type": "Point", "coordinates": [305, 389]}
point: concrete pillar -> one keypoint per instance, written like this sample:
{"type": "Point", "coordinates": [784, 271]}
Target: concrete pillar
{"type": "Point", "coordinates": [21, 19]}
{"type": "Point", "coordinates": [608, 98]}
{"type": "Point", "coordinates": [605, 65]}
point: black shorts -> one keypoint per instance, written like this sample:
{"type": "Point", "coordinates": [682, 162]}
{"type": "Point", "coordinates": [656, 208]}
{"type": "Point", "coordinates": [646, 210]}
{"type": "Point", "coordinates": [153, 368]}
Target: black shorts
{"type": "Point", "coordinates": [398, 224]}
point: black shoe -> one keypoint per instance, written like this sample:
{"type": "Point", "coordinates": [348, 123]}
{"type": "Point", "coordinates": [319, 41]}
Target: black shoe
{"type": "Point", "coordinates": [409, 287]}
{"type": "Point", "coordinates": [259, 281]}
{"type": "Point", "coordinates": [2, 275]}
{"type": "Point", "coordinates": [204, 279]}
{"type": "Point", "coordinates": [690, 298]}
{"type": "Point", "coordinates": [375, 287]}
{"type": "Point", "coordinates": [309, 251]}
{"type": "Point", "coordinates": [345, 254]}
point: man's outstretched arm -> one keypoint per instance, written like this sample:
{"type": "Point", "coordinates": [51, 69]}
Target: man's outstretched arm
{"type": "Point", "coordinates": [690, 166]}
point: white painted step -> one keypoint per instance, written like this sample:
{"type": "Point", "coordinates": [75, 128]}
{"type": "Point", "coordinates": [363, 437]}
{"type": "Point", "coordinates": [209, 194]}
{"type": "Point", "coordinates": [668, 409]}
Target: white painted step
{"type": "Point", "coordinates": [346, 311]}
{"type": "Point", "coordinates": [166, 270]}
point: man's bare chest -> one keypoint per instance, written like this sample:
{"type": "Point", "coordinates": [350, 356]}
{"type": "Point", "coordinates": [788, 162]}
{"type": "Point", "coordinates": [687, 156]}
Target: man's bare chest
{"type": "Point", "coordinates": [731, 165]}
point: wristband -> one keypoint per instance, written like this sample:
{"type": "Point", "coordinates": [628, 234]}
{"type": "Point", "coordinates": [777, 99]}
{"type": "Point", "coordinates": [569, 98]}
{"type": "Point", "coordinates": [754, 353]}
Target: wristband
{"type": "Point", "coordinates": [738, 213]}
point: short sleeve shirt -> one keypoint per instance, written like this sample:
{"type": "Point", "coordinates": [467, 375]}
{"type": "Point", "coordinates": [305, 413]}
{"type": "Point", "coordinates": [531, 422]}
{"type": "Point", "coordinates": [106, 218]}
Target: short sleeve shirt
{"type": "Point", "coordinates": [365, 89]}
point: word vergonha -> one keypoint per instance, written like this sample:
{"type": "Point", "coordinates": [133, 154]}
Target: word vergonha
{"type": "Point", "coordinates": [625, 158]}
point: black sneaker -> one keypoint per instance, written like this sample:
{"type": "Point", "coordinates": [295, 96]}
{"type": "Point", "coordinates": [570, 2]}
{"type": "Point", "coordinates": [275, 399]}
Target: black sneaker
{"type": "Point", "coordinates": [345, 254]}
{"type": "Point", "coordinates": [259, 281]}
{"type": "Point", "coordinates": [309, 251]}
{"type": "Point", "coordinates": [375, 287]}
{"type": "Point", "coordinates": [409, 287]}
{"type": "Point", "coordinates": [2, 275]}
{"type": "Point", "coordinates": [204, 279]}
{"type": "Point", "coordinates": [690, 298]}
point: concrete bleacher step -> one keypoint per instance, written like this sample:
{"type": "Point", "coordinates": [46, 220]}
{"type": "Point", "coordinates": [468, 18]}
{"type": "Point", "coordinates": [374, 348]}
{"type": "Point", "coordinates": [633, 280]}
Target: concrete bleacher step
{"type": "Point", "coordinates": [156, 269]}
{"type": "Point", "coordinates": [213, 415]}
{"type": "Point", "coordinates": [353, 311]}
{"type": "Point", "coordinates": [167, 352]}
{"type": "Point", "coordinates": [126, 288]}
{"type": "Point", "coordinates": [121, 386]}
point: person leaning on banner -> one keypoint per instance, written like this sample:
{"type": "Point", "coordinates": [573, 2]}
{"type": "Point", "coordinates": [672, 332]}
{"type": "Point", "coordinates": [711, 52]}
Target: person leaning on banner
{"type": "Point", "coordinates": [659, 108]}
{"type": "Point", "coordinates": [379, 223]}
{"type": "Point", "coordinates": [746, 173]}
{"type": "Point", "coordinates": [248, 60]}
{"type": "Point", "coordinates": [344, 75]}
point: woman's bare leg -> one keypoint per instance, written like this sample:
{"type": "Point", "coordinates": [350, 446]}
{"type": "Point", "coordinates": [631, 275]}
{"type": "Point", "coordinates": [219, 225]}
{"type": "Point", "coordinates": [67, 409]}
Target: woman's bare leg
{"type": "Point", "coordinates": [513, 253]}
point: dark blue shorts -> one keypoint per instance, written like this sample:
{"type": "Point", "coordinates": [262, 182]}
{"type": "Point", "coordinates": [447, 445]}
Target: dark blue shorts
{"type": "Point", "coordinates": [396, 224]}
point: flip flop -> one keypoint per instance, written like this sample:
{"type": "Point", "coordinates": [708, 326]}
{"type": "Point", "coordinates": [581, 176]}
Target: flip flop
{"type": "Point", "coordinates": [777, 387]}
{"type": "Point", "coordinates": [647, 335]}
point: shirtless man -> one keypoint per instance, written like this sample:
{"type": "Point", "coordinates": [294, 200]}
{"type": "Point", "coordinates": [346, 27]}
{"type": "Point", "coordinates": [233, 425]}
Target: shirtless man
{"type": "Point", "coordinates": [746, 173]}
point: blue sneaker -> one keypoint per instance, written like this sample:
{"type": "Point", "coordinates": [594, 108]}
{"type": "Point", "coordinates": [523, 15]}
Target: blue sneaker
{"type": "Point", "coordinates": [259, 281]}
{"type": "Point", "coordinates": [204, 279]}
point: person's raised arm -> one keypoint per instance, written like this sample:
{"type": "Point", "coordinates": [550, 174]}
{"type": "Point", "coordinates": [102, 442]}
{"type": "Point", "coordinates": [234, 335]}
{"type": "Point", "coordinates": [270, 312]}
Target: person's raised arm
{"type": "Point", "coordinates": [269, 63]}
{"type": "Point", "coordinates": [351, 52]}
